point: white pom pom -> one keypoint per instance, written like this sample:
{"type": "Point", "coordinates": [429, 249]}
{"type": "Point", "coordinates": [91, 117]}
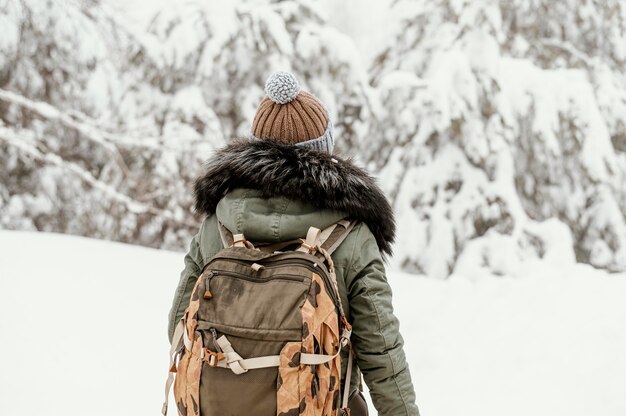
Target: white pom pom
{"type": "Point", "coordinates": [282, 87]}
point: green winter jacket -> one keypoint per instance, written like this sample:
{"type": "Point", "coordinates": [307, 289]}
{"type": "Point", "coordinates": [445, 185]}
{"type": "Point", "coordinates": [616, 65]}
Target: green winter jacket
{"type": "Point", "coordinates": [247, 188]}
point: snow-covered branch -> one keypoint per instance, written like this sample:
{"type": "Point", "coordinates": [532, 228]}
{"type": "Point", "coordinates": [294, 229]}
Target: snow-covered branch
{"type": "Point", "coordinates": [133, 206]}
{"type": "Point", "coordinates": [49, 112]}
{"type": "Point", "coordinates": [567, 47]}
{"type": "Point", "coordinates": [84, 124]}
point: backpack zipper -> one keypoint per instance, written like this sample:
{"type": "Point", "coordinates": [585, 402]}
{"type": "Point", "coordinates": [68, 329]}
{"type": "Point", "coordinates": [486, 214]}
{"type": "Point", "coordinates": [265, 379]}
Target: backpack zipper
{"type": "Point", "coordinates": [214, 334]}
{"type": "Point", "coordinates": [309, 264]}
{"type": "Point", "coordinates": [314, 267]}
{"type": "Point", "coordinates": [212, 273]}
{"type": "Point", "coordinates": [207, 289]}
{"type": "Point", "coordinates": [288, 277]}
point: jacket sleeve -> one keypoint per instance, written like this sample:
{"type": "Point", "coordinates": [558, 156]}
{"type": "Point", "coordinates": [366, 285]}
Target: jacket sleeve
{"type": "Point", "coordinates": [377, 343]}
{"type": "Point", "coordinates": [188, 277]}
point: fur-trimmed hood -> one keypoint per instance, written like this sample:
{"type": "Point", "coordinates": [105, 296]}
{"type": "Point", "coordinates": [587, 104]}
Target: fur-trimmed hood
{"type": "Point", "coordinates": [324, 181]}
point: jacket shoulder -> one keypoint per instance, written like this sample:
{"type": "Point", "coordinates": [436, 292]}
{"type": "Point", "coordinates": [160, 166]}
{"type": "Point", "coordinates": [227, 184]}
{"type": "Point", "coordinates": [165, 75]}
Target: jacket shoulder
{"type": "Point", "coordinates": [209, 239]}
{"type": "Point", "coordinates": [358, 249]}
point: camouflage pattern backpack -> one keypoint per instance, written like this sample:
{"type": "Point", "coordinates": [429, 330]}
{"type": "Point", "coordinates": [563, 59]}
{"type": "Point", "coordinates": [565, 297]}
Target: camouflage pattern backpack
{"type": "Point", "coordinates": [264, 331]}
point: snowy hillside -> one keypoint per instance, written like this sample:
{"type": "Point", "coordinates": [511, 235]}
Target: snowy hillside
{"type": "Point", "coordinates": [84, 333]}
{"type": "Point", "coordinates": [496, 127]}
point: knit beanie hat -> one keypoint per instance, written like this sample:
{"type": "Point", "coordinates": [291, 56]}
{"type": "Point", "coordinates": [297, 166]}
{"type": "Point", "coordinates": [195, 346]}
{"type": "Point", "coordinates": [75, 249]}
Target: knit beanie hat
{"type": "Point", "coordinates": [289, 115]}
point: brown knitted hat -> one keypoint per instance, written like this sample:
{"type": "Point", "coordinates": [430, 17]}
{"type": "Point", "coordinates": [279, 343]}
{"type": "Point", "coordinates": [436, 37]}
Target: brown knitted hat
{"type": "Point", "coordinates": [291, 116]}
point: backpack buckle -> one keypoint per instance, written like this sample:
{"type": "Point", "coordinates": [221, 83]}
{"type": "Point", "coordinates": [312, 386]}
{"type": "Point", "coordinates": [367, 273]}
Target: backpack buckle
{"type": "Point", "coordinates": [347, 331]}
{"type": "Point", "coordinates": [307, 248]}
{"type": "Point", "coordinates": [310, 243]}
{"type": "Point", "coordinates": [345, 337]}
{"type": "Point", "coordinates": [239, 240]}
{"type": "Point", "coordinates": [212, 358]}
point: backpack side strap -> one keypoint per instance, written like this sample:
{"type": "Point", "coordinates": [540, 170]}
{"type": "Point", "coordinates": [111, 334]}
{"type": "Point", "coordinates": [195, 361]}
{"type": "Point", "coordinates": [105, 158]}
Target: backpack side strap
{"type": "Point", "coordinates": [323, 244]}
{"type": "Point", "coordinates": [175, 348]}
{"type": "Point", "coordinates": [346, 386]}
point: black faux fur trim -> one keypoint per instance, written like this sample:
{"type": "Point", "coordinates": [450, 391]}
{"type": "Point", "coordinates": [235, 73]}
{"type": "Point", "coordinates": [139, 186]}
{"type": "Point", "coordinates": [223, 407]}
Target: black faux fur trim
{"type": "Point", "coordinates": [297, 173]}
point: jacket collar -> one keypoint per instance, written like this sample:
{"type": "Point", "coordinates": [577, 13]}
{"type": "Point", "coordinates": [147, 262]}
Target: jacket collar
{"type": "Point", "coordinates": [322, 180]}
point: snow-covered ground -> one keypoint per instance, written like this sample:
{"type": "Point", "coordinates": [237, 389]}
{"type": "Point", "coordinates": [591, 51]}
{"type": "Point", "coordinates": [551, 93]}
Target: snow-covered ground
{"type": "Point", "coordinates": [83, 326]}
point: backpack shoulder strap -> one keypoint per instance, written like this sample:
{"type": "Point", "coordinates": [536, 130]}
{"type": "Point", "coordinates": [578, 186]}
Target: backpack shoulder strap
{"type": "Point", "coordinates": [327, 239]}
{"type": "Point", "coordinates": [175, 348]}
{"type": "Point", "coordinates": [333, 236]}
{"type": "Point", "coordinates": [225, 235]}
{"type": "Point", "coordinates": [230, 240]}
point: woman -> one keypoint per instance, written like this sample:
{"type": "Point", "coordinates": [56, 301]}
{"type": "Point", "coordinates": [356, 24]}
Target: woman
{"type": "Point", "coordinates": [276, 184]}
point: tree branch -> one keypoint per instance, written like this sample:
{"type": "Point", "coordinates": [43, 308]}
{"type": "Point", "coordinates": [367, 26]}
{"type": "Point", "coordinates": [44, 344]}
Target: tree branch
{"type": "Point", "coordinates": [567, 47]}
{"type": "Point", "coordinates": [84, 124]}
{"type": "Point", "coordinates": [134, 206]}
{"type": "Point", "coordinates": [49, 112]}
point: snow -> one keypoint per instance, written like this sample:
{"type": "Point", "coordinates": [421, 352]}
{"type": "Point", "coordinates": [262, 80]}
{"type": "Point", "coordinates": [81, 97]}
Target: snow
{"type": "Point", "coordinates": [84, 333]}
{"type": "Point", "coordinates": [74, 340]}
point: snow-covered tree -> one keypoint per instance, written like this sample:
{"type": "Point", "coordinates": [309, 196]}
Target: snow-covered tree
{"type": "Point", "coordinates": [501, 139]}
{"type": "Point", "coordinates": [496, 127]}
{"type": "Point", "coordinates": [82, 131]}
{"type": "Point", "coordinates": [224, 51]}
{"type": "Point", "coordinates": [105, 127]}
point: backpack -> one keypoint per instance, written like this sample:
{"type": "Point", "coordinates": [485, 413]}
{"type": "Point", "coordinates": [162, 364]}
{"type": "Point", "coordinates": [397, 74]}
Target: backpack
{"type": "Point", "coordinates": [263, 331]}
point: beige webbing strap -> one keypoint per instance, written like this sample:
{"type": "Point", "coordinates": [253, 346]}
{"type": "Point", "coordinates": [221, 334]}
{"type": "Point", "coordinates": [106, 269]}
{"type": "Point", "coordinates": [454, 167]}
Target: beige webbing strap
{"type": "Point", "coordinates": [346, 387]}
{"type": "Point", "coordinates": [225, 235]}
{"type": "Point", "coordinates": [186, 339]}
{"type": "Point", "coordinates": [233, 360]}
{"type": "Point", "coordinates": [238, 365]}
{"type": "Point", "coordinates": [174, 349]}
{"type": "Point", "coordinates": [311, 241]}
{"type": "Point", "coordinates": [239, 240]}
{"type": "Point", "coordinates": [269, 361]}
{"type": "Point", "coordinates": [250, 363]}
{"type": "Point", "coordinates": [177, 337]}
{"type": "Point", "coordinates": [317, 359]}
{"type": "Point", "coordinates": [329, 238]}
{"type": "Point", "coordinates": [230, 240]}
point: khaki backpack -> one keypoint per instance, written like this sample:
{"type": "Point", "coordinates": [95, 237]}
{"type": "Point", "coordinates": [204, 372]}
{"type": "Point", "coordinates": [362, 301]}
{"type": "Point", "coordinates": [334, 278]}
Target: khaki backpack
{"type": "Point", "coordinates": [264, 331]}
